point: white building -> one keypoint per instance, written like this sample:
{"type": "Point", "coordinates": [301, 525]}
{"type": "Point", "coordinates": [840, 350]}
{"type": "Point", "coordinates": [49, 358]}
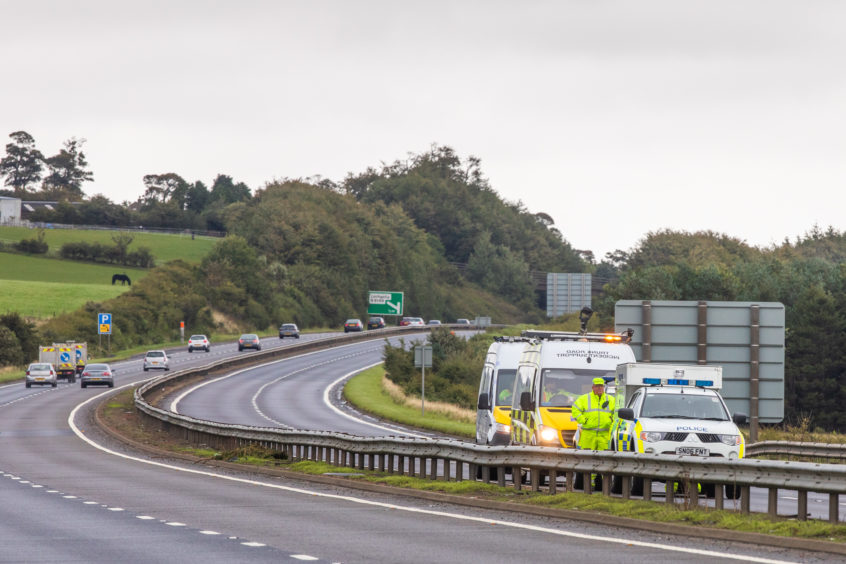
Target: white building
{"type": "Point", "coordinates": [10, 210]}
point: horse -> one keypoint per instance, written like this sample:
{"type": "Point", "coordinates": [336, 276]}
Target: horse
{"type": "Point", "coordinates": [123, 278]}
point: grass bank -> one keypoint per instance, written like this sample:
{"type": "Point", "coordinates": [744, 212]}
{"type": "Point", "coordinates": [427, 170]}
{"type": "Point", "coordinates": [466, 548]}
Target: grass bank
{"type": "Point", "coordinates": [372, 393]}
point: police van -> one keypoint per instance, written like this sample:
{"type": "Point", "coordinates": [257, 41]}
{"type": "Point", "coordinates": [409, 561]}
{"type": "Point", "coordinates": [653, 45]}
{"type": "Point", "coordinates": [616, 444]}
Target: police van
{"type": "Point", "coordinates": [554, 371]}
{"type": "Point", "coordinates": [496, 386]}
{"type": "Point", "coordinates": [675, 409]}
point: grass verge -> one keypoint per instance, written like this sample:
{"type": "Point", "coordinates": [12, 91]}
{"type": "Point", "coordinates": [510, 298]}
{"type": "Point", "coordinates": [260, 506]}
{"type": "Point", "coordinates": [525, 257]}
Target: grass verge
{"type": "Point", "coordinates": [367, 393]}
{"type": "Point", "coordinates": [120, 415]}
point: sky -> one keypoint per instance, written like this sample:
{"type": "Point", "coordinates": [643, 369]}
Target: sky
{"type": "Point", "coordinates": [616, 118]}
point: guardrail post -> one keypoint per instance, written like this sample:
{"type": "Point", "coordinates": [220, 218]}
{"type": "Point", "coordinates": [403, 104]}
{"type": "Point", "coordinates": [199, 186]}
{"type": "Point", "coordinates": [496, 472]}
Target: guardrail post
{"type": "Point", "coordinates": [719, 489]}
{"type": "Point", "coordinates": [772, 503]}
{"type": "Point", "coordinates": [517, 476]}
{"type": "Point", "coordinates": [670, 489]}
{"type": "Point", "coordinates": [486, 474]}
{"type": "Point", "coordinates": [833, 514]}
{"type": "Point", "coordinates": [627, 487]}
{"type": "Point", "coordinates": [570, 478]}
{"type": "Point", "coordinates": [360, 456]}
{"type": "Point", "coordinates": [606, 484]}
{"type": "Point", "coordinates": [371, 461]}
{"type": "Point", "coordinates": [802, 503]}
{"type": "Point", "coordinates": [647, 489]}
{"type": "Point", "coordinates": [500, 476]}
{"type": "Point", "coordinates": [553, 476]}
{"type": "Point", "coordinates": [534, 474]}
{"type": "Point", "coordinates": [401, 464]}
{"type": "Point", "coordinates": [745, 495]}
{"type": "Point", "coordinates": [587, 486]}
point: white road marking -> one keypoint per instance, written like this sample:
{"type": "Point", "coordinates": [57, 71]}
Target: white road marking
{"type": "Point", "coordinates": [599, 539]}
{"type": "Point", "coordinates": [144, 517]}
{"type": "Point", "coordinates": [116, 509]}
{"type": "Point", "coordinates": [252, 543]}
{"type": "Point", "coordinates": [209, 533]}
{"type": "Point", "coordinates": [304, 557]}
{"type": "Point", "coordinates": [175, 403]}
{"type": "Point", "coordinates": [356, 419]}
{"type": "Point", "coordinates": [175, 524]}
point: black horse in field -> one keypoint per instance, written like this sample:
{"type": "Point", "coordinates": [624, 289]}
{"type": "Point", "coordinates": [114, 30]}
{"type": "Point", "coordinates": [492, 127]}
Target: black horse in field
{"type": "Point", "coordinates": [122, 278]}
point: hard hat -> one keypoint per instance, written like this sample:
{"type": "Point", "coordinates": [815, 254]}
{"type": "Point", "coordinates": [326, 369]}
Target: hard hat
{"type": "Point", "coordinates": [598, 381]}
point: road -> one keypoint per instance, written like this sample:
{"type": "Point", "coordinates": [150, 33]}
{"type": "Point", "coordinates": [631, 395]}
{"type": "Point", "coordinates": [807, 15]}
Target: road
{"type": "Point", "coordinates": [71, 494]}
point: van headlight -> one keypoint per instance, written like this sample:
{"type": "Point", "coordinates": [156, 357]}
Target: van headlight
{"type": "Point", "coordinates": [730, 440]}
{"type": "Point", "coordinates": [651, 436]}
{"type": "Point", "coordinates": [502, 428]}
{"type": "Point", "coordinates": [548, 434]}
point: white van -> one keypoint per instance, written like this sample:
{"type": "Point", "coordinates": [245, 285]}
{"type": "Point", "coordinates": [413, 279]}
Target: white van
{"type": "Point", "coordinates": [496, 386]}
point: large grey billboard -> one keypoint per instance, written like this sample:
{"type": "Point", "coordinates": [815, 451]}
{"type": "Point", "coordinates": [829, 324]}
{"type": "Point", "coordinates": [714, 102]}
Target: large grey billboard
{"type": "Point", "coordinates": [745, 338]}
{"type": "Point", "coordinates": [567, 293]}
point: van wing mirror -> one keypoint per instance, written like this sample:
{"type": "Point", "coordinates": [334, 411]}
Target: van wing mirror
{"type": "Point", "coordinates": [526, 403]}
{"type": "Point", "coordinates": [626, 413]}
{"type": "Point", "coordinates": [484, 402]}
{"type": "Point", "coordinates": [740, 418]}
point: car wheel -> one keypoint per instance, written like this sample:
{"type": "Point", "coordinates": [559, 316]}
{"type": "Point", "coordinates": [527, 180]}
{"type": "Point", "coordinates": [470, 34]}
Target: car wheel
{"type": "Point", "coordinates": [29, 384]}
{"type": "Point", "coordinates": [281, 336]}
{"type": "Point", "coordinates": [190, 350]}
{"type": "Point", "coordinates": [54, 384]}
{"type": "Point", "coordinates": [208, 349]}
{"type": "Point", "coordinates": [297, 336]}
{"type": "Point", "coordinates": [146, 369]}
{"type": "Point", "coordinates": [240, 349]}
{"type": "Point", "coordinates": [72, 379]}
{"type": "Point", "coordinates": [83, 385]}
{"type": "Point", "coordinates": [111, 384]}
{"type": "Point", "coordinates": [167, 368]}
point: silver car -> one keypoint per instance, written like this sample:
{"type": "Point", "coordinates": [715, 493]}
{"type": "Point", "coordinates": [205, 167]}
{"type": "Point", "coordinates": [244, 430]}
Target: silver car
{"type": "Point", "coordinates": [97, 375]}
{"type": "Point", "coordinates": [156, 360]}
{"type": "Point", "coordinates": [41, 374]}
{"type": "Point", "coordinates": [199, 342]}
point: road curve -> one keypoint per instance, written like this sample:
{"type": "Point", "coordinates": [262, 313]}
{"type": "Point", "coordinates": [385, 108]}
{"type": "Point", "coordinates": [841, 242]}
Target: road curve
{"type": "Point", "coordinates": [71, 494]}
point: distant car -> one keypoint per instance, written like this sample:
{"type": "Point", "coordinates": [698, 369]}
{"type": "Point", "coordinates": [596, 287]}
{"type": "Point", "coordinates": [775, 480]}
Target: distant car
{"type": "Point", "coordinates": [353, 325]}
{"type": "Point", "coordinates": [156, 360]}
{"type": "Point", "coordinates": [289, 330]}
{"type": "Point", "coordinates": [434, 322]}
{"type": "Point", "coordinates": [415, 321]}
{"type": "Point", "coordinates": [199, 342]}
{"type": "Point", "coordinates": [463, 321]}
{"type": "Point", "coordinates": [41, 374]}
{"type": "Point", "coordinates": [376, 323]}
{"type": "Point", "coordinates": [97, 375]}
{"type": "Point", "coordinates": [405, 321]}
{"type": "Point", "coordinates": [249, 341]}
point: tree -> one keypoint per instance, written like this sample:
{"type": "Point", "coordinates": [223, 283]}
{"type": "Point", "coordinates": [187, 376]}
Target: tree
{"type": "Point", "coordinates": [169, 188]}
{"type": "Point", "coordinates": [23, 163]}
{"type": "Point", "coordinates": [225, 191]}
{"type": "Point", "coordinates": [67, 172]}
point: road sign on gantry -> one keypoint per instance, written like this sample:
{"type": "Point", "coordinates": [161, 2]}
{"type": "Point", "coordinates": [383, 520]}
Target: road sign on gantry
{"type": "Point", "coordinates": [384, 303]}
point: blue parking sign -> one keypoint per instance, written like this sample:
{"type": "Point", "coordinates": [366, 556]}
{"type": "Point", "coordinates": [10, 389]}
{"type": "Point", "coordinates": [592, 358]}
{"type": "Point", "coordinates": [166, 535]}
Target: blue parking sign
{"type": "Point", "coordinates": [104, 323]}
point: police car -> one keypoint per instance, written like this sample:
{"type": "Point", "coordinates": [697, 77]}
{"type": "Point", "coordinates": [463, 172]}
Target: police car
{"type": "Point", "coordinates": [676, 410]}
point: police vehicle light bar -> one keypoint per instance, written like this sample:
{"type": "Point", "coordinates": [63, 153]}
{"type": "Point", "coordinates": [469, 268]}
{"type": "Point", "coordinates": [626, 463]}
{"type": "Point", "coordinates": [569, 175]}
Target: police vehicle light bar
{"type": "Point", "coordinates": [624, 337]}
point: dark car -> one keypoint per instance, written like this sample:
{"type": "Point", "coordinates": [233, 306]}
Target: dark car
{"type": "Point", "coordinates": [97, 375]}
{"type": "Point", "coordinates": [376, 323]}
{"type": "Point", "coordinates": [249, 341]}
{"type": "Point", "coordinates": [353, 325]}
{"type": "Point", "coordinates": [289, 330]}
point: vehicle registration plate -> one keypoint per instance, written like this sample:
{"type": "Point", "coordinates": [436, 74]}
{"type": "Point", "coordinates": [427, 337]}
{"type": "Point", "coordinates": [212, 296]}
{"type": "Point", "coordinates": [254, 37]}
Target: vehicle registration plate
{"type": "Point", "coordinates": [694, 451]}
{"type": "Point", "coordinates": [39, 379]}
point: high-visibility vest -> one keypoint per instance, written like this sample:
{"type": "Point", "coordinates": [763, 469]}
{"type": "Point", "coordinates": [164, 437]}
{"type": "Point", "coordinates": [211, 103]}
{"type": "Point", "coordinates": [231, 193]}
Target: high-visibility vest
{"type": "Point", "coordinates": [589, 412]}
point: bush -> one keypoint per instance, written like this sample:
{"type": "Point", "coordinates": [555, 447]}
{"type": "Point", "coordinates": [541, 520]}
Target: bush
{"type": "Point", "coordinates": [32, 246]}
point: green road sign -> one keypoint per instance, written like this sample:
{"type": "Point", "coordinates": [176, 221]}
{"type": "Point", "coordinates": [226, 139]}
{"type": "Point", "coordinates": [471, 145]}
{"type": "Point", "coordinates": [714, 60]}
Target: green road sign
{"type": "Point", "coordinates": [384, 303]}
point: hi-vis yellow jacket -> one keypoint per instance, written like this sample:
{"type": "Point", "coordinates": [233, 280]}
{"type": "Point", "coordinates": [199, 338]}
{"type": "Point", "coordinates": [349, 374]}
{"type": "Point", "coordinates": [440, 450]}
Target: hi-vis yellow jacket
{"type": "Point", "coordinates": [595, 414]}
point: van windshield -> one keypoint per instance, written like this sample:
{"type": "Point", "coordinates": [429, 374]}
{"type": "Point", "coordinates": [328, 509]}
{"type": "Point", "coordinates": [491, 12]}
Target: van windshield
{"type": "Point", "coordinates": [683, 406]}
{"type": "Point", "coordinates": [561, 386]}
{"type": "Point", "coordinates": [505, 386]}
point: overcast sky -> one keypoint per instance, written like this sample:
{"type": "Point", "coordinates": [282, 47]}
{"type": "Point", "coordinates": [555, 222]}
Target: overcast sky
{"type": "Point", "coordinates": [615, 118]}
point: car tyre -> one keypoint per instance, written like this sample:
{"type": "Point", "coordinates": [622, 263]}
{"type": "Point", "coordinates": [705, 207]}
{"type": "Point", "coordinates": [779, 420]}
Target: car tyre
{"type": "Point", "coordinates": [190, 350]}
{"type": "Point", "coordinates": [54, 384]}
{"type": "Point", "coordinates": [240, 349]}
{"type": "Point", "coordinates": [146, 369]}
{"type": "Point", "coordinates": [111, 384]}
{"type": "Point", "coordinates": [29, 384]}
{"type": "Point", "coordinates": [83, 385]}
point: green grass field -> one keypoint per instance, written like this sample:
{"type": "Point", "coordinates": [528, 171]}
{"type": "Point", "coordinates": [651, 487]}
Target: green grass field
{"type": "Point", "coordinates": [41, 269]}
{"type": "Point", "coordinates": [164, 247]}
{"type": "Point", "coordinates": [48, 299]}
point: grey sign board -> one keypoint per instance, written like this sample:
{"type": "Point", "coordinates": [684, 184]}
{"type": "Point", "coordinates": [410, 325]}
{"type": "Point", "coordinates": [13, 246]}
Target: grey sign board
{"type": "Point", "coordinates": [566, 293]}
{"type": "Point", "coordinates": [745, 338]}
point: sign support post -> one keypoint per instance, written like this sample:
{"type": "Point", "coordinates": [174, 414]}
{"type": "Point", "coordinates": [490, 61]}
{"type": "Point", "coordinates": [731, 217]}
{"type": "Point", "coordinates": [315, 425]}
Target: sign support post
{"type": "Point", "coordinates": [423, 358]}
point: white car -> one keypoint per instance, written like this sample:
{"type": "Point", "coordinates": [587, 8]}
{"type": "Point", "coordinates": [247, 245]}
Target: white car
{"type": "Point", "coordinates": [199, 342]}
{"type": "Point", "coordinates": [156, 360]}
{"type": "Point", "coordinates": [41, 373]}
